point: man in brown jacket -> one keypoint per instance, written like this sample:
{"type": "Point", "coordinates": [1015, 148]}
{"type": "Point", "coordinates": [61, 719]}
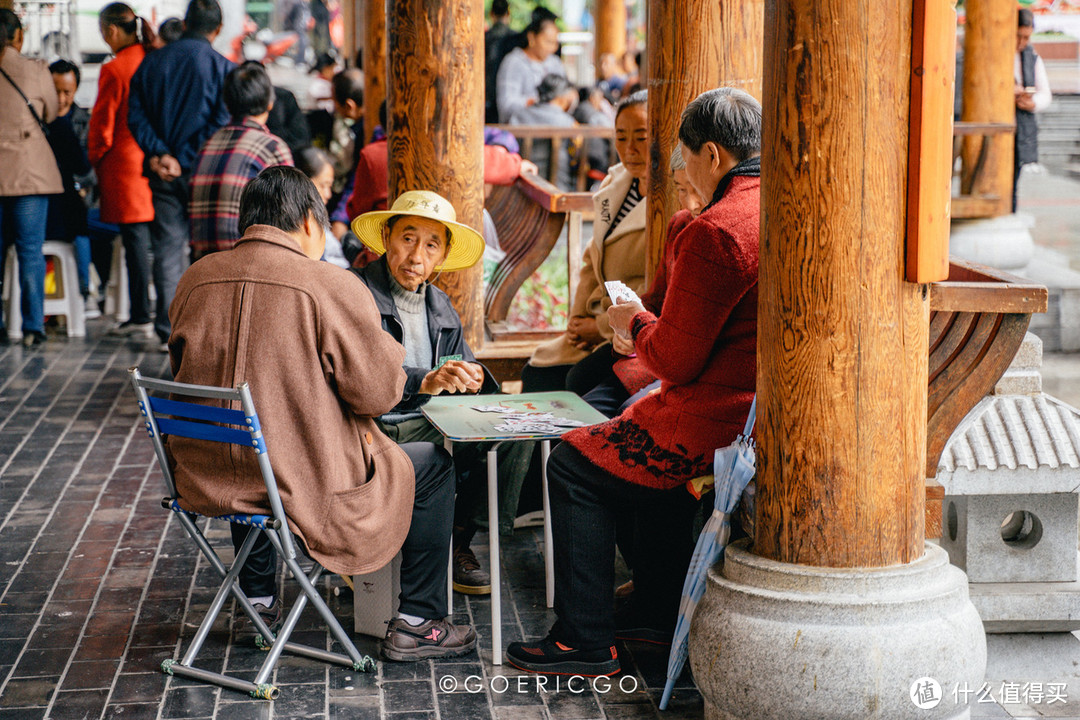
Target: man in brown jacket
{"type": "Point", "coordinates": [307, 337]}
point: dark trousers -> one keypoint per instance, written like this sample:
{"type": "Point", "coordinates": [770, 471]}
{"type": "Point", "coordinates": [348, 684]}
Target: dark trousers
{"type": "Point", "coordinates": [423, 556]}
{"type": "Point", "coordinates": [585, 501]}
{"type": "Point", "coordinates": [137, 243]}
{"type": "Point", "coordinates": [470, 463]}
{"type": "Point", "coordinates": [169, 239]}
{"type": "Point", "coordinates": [578, 378]}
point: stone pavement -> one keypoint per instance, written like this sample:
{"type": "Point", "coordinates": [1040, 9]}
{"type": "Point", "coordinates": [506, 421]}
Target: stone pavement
{"type": "Point", "coordinates": [98, 585]}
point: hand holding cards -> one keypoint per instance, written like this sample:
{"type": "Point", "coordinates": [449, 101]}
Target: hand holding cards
{"type": "Point", "coordinates": [620, 293]}
{"type": "Point", "coordinates": [625, 304]}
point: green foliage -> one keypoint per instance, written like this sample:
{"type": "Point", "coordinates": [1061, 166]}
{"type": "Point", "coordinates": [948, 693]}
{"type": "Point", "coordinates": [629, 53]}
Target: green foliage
{"type": "Point", "coordinates": [521, 10]}
{"type": "Point", "coordinates": [542, 302]}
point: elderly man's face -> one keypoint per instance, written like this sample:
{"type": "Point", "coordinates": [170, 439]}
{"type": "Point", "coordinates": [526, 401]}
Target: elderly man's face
{"type": "Point", "coordinates": [413, 248]}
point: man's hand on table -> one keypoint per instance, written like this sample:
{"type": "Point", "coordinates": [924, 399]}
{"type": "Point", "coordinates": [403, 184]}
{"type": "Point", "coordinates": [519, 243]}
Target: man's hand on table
{"type": "Point", "coordinates": [454, 376]}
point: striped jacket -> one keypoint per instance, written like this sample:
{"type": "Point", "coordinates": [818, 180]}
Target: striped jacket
{"type": "Point", "coordinates": [230, 158]}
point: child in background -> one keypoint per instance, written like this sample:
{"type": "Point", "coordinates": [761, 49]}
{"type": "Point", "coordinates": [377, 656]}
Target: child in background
{"type": "Point", "coordinates": [230, 158]}
{"type": "Point", "coordinates": [316, 164]}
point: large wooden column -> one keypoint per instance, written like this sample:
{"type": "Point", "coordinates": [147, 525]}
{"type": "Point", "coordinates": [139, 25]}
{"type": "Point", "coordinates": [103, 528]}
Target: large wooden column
{"type": "Point", "coordinates": [374, 63]}
{"type": "Point", "coordinates": [610, 19]}
{"type": "Point", "coordinates": [436, 117]}
{"type": "Point", "coordinates": [693, 46]}
{"type": "Point", "coordinates": [989, 49]}
{"type": "Point", "coordinates": [842, 338]}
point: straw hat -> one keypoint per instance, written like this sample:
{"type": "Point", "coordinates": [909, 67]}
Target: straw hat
{"type": "Point", "coordinates": [466, 245]}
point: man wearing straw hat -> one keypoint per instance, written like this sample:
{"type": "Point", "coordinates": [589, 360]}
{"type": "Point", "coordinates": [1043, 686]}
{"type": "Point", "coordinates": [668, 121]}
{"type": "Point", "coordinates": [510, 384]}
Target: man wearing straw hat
{"type": "Point", "coordinates": [416, 238]}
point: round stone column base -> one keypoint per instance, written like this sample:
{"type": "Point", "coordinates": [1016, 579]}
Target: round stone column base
{"type": "Point", "coordinates": [777, 641]}
{"type": "Point", "coordinates": [1003, 242]}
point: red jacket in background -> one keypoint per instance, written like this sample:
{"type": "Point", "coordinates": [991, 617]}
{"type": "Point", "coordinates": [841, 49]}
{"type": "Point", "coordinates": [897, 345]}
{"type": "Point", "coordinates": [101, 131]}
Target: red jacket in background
{"type": "Point", "coordinates": [703, 347]}
{"type": "Point", "coordinates": [501, 167]}
{"type": "Point", "coordinates": [116, 157]}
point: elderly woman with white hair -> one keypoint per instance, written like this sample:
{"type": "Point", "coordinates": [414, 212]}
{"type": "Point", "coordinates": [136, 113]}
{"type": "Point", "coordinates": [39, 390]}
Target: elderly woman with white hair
{"type": "Point", "coordinates": [703, 348]}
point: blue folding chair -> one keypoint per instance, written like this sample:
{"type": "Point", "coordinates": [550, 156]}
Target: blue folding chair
{"type": "Point", "coordinates": [166, 415]}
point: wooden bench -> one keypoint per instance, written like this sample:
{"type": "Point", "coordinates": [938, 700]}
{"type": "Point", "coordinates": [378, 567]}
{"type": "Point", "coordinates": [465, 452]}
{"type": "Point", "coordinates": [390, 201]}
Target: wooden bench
{"type": "Point", "coordinates": [529, 216]}
{"type": "Point", "coordinates": [978, 318]}
{"type": "Point", "coordinates": [970, 203]}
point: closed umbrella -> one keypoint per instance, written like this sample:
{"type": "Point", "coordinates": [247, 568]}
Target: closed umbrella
{"type": "Point", "coordinates": [733, 467]}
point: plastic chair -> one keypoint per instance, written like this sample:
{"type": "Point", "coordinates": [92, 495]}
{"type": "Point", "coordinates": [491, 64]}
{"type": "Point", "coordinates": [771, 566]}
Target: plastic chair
{"type": "Point", "coordinates": [168, 416]}
{"type": "Point", "coordinates": [67, 301]}
{"type": "Point", "coordinates": [117, 302]}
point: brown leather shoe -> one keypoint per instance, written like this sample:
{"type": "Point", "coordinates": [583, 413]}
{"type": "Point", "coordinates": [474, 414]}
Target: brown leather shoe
{"type": "Point", "coordinates": [432, 639]}
{"type": "Point", "coordinates": [469, 579]}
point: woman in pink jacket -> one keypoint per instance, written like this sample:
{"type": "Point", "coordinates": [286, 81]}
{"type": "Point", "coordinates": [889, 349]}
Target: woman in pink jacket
{"type": "Point", "coordinates": [118, 159]}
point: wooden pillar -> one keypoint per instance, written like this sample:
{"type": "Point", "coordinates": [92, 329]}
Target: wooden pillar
{"type": "Point", "coordinates": [374, 63]}
{"type": "Point", "coordinates": [989, 49]}
{"type": "Point", "coordinates": [842, 338]}
{"type": "Point", "coordinates": [436, 117]}
{"type": "Point", "coordinates": [352, 20]}
{"type": "Point", "coordinates": [693, 46]}
{"type": "Point", "coordinates": [610, 19]}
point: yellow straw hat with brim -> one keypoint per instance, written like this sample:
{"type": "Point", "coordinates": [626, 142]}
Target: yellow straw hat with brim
{"type": "Point", "coordinates": [466, 245]}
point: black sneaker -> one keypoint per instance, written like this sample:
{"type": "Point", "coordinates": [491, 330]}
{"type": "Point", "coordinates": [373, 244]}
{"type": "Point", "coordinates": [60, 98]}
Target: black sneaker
{"type": "Point", "coordinates": [468, 577]}
{"type": "Point", "coordinates": [550, 657]}
{"type": "Point", "coordinates": [431, 639]}
{"type": "Point", "coordinates": [634, 625]}
{"type": "Point", "coordinates": [33, 340]}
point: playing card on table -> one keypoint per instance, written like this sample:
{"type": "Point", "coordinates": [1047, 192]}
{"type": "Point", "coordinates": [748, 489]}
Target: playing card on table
{"type": "Point", "coordinates": [492, 408]}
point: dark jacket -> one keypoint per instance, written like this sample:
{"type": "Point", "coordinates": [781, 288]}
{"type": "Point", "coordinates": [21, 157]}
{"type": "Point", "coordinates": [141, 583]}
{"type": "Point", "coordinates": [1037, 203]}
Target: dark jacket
{"type": "Point", "coordinates": [287, 121]}
{"type": "Point", "coordinates": [176, 101]}
{"type": "Point", "coordinates": [67, 211]}
{"type": "Point", "coordinates": [444, 328]}
{"type": "Point", "coordinates": [1027, 127]}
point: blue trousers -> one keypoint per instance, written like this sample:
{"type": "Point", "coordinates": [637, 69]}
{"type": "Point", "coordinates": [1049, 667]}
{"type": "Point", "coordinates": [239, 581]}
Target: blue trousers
{"type": "Point", "coordinates": [22, 223]}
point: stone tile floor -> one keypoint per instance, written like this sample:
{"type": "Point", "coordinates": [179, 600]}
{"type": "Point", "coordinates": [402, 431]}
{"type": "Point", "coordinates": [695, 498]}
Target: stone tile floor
{"type": "Point", "coordinates": [98, 586]}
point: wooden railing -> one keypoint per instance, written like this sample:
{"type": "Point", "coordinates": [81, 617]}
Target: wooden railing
{"type": "Point", "coordinates": [578, 135]}
{"type": "Point", "coordinates": [529, 217]}
{"type": "Point", "coordinates": [971, 202]}
{"type": "Point", "coordinates": [978, 318]}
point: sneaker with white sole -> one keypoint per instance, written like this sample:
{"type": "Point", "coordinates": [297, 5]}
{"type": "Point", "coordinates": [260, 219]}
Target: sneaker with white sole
{"type": "Point", "coordinates": [132, 329]}
{"type": "Point", "coordinates": [91, 311]}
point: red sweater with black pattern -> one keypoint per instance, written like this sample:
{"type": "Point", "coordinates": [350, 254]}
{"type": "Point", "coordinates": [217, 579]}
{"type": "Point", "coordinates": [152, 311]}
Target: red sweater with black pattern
{"type": "Point", "coordinates": [703, 348]}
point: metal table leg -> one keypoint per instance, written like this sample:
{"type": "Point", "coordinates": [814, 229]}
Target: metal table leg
{"type": "Point", "coordinates": [493, 551]}
{"type": "Point", "coordinates": [549, 555]}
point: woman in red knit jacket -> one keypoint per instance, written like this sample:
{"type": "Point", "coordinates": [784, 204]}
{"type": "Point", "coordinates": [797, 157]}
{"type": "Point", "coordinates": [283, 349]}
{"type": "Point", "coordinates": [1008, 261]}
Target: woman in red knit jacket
{"type": "Point", "coordinates": [703, 349]}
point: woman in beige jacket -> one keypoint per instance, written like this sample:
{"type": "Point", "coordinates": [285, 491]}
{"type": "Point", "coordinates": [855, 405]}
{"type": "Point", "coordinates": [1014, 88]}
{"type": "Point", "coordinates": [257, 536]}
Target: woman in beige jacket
{"type": "Point", "coordinates": [29, 174]}
{"type": "Point", "coordinates": [615, 252]}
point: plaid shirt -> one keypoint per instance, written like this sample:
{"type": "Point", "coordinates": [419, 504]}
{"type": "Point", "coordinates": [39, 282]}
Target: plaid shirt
{"type": "Point", "coordinates": [230, 158]}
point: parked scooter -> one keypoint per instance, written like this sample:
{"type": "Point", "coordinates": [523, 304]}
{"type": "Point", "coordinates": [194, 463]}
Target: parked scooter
{"type": "Point", "coordinates": [261, 45]}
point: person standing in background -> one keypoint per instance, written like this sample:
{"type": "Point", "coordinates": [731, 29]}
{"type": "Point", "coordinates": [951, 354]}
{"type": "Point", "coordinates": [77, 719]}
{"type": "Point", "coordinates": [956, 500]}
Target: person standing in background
{"type": "Point", "coordinates": [118, 160]}
{"type": "Point", "coordinates": [175, 104]}
{"type": "Point", "coordinates": [522, 69]}
{"type": "Point", "coordinates": [493, 37]}
{"type": "Point", "coordinates": [1032, 92]}
{"type": "Point", "coordinates": [27, 102]}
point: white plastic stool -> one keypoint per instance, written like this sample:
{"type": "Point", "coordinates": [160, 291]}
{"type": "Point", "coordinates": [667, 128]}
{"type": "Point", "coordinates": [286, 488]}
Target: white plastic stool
{"type": "Point", "coordinates": [117, 300]}
{"type": "Point", "coordinates": [67, 301]}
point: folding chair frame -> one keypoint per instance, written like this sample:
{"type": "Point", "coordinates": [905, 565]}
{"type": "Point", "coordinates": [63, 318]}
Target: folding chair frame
{"type": "Point", "coordinates": [165, 416]}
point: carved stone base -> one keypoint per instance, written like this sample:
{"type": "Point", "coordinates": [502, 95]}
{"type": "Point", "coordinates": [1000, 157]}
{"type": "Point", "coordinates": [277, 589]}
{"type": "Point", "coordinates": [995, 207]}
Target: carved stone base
{"type": "Point", "coordinates": [778, 641]}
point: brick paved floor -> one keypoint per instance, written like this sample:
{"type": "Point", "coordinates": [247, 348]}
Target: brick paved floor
{"type": "Point", "coordinates": [98, 586]}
